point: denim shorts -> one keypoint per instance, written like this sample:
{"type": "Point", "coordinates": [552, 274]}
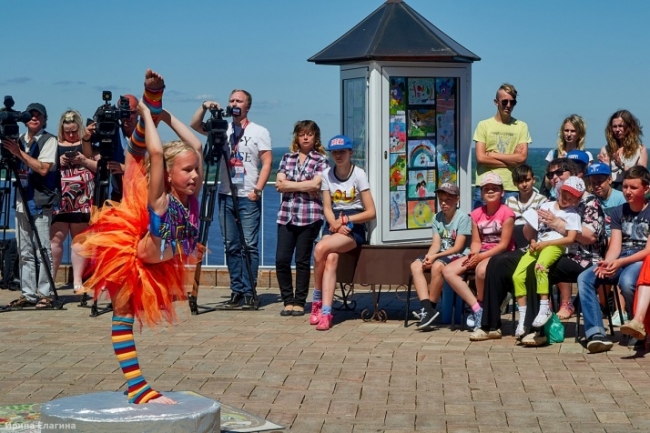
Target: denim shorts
{"type": "Point", "coordinates": [358, 231]}
{"type": "Point", "coordinates": [445, 260]}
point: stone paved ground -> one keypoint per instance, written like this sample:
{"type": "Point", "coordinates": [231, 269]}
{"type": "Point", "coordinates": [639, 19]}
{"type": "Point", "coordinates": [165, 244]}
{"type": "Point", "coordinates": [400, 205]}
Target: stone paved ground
{"type": "Point", "coordinates": [358, 377]}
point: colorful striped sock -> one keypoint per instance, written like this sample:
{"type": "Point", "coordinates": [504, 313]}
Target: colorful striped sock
{"type": "Point", "coordinates": [139, 390]}
{"type": "Point", "coordinates": [317, 295]}
{"type": "Point", "coordinates": [153, 100]}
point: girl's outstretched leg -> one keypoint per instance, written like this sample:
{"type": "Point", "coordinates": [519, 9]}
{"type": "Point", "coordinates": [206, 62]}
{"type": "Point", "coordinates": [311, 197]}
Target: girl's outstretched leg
{"type": "Point", "coordinates": [154, 84]}
{"type": "Point", "coordinates": [139, 391]}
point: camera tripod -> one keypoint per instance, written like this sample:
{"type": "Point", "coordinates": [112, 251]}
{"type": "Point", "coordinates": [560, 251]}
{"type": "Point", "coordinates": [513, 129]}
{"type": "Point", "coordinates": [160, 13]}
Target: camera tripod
{"type": "Point", "coordinates": [102, 182]}
{"type": "Point", "coordinates": [212, 158]}
{"type": "Point", "coordinates": [11, 168]}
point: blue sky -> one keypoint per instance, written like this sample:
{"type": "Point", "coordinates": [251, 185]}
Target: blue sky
{"type": "Point", "coordinates": [590, 58]}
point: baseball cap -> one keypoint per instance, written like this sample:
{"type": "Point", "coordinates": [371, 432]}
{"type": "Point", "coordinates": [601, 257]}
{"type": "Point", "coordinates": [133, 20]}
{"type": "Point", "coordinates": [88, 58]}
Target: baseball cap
{"type": "Point", "coordinates": [574, 185]}
{"type": "Point", "coordinates": [599, 168]}
{"type": "Point", "coordinates": [491, 178]}
{"type": "Point", "coordinates": [579, 155]}
{"type": "Point", "coordinates": [339, 142]}
{"type": "Point", "coordinates": [38, 107]}
{"type": "Point", "coordinates": [449, 188]}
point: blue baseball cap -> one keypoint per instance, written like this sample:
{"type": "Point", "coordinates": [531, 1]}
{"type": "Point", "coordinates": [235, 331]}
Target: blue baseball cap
{"type": "Point", "coordinates": [599, 168]}
{"type": "Point", "coordinates": [339, 142]}
{"type": "Point", "coordinates": [579, 155]}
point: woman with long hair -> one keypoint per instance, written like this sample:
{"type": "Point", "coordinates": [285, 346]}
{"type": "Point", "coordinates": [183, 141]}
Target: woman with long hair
{"type": "Point", "coordinates": [624, 148]}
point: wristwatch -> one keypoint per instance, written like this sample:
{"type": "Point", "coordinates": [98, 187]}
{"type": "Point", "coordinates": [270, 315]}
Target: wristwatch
{"type": "Point", "coordinates": [258, 192]}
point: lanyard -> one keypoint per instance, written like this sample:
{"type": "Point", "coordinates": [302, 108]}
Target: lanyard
{"type": "Point", "coordinates": [235, 144]}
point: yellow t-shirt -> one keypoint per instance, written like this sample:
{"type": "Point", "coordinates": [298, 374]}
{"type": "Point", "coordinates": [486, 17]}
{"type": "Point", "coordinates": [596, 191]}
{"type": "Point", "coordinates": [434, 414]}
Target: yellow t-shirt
{"type": "Point", "coordinates": [500, 138]}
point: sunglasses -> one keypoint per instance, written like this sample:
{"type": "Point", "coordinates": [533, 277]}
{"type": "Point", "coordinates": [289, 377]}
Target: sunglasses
{"type": "Point", "coordinates": [551, 174]}
{"type": "Point", "coordinates": [505, 102]}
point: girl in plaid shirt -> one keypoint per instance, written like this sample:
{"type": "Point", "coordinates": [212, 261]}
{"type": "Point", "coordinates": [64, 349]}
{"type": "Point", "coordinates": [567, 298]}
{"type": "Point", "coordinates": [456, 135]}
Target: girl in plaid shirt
{"type": "Point", "coordinates": [301, 213]}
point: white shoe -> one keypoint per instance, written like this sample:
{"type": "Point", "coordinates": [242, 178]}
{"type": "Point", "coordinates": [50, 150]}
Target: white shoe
{"type": "Point", "coordinates": [470, 321]}
{"type": "Point", "coordinates": [542, 318]}
{"type": "Point", "coordinates": [520, 332]}
{"type": "Point", "coordinates": [616, 319]}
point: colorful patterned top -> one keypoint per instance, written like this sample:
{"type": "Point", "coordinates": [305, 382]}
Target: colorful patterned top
{"type": "Point", "coordinates": [178, 227]}
{"type": "Point", "coordinates": [77, 186]}
{"type": "Point", "coordinates": [593, 218]}
{"type": "Point", "coordinates": [300, 208]}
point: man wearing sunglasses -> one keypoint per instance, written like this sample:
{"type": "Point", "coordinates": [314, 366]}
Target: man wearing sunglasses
{"type": "Point", "coordinates": [501, 143]}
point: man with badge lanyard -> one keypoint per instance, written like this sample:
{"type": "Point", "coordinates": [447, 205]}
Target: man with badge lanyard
{"type": "Point", "coordinates": [249, 144]}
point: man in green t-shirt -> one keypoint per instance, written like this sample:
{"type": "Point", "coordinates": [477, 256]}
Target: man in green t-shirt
{"type": "Point", "coordinates": [501, 143]}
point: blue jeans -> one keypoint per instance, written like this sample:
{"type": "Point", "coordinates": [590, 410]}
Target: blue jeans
{"type": "Point", "coordinates": [587, 285]}
{"type": "Point", "coordinates": [478, 201]}
{"type": "Point", "coordinates": [250, 215]}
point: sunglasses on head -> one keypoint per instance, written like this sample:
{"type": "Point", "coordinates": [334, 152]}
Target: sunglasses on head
{"type": "Point", "coordinates": [504, 102]}
{"type": "Point", "coordinates": [558, 173]}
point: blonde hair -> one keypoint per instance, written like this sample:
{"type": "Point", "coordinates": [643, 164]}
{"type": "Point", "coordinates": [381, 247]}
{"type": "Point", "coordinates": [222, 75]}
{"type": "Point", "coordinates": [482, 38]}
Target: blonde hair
{"type": "Point", "coordinates": [509, 89]}
{"type": "Point", "coordinates": [68, 117]}
{"type": "Point", "coordinates": [581, 129]}
{"type": "Point", "coordinates": [306, 126]}
{"type": "Point", "coordinates": [170, 151]}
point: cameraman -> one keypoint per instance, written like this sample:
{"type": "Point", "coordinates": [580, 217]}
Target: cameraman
{"type": "Point", "coordinates": [116, 164]}
{"type": "Point", "coordinates": [248, 144]}
{"type": "Point", "coordinates": [35, 154]}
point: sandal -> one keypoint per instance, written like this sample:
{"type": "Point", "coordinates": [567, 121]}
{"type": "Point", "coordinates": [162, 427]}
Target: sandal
{"type": "Point", "coordinates": [566, 310]}
{"type": "Point", "coordinates": [43, 303]}
{"type": "Point", "coordinates": [79, 289]}
{"type": "Point", "coordinates": [20, 303]}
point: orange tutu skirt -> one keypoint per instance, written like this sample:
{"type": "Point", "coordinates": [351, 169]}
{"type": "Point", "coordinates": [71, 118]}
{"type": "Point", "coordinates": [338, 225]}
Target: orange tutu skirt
{"type": "Point", "coordinates": [643, 280]}
{"type": "Point", "coordinates": [111, 244]}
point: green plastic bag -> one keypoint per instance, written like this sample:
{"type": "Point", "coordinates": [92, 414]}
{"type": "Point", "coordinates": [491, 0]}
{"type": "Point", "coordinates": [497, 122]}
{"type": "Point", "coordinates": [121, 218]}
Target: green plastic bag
{"type": "Point", "coordinates": [554, 330]}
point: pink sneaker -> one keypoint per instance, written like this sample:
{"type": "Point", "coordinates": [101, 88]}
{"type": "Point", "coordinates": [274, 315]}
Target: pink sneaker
{"type": "Point", "coordinates": [314, 317]}
{"type": "Point", "coordinates": [325, 322]}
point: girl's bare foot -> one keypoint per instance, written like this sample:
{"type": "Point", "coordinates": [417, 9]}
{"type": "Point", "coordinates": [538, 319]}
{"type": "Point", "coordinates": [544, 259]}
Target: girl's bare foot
{"type": "Point", "coordinates": [162, 400]}
{"type": "Point", "coordinates": [153, 80]}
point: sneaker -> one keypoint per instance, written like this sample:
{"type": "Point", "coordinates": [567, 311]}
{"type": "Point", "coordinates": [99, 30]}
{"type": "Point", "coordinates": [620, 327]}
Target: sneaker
{"type": "Point", "coordinates": [520, 331]}
{"type": "Point", "coordinates": [249, 303]}
{"type": "Point", "coordinates": [542, 318]}
{"type": "Point", "coordinates": [478, 317]}
{"type": "Point", "coordinates": [325, 322]}
{"type": "Point", "coordinates": [616, 319]}
{"type": "Point", "coordinates": [481, 335]}
{"type": "Point", "coordinates": [426, 319]}
{"type": "Point", "coordinates": [599, 343]}
{"type": "Point", "coordinates": [235, 299]}
{"type": "Point", "coordinates": [416, 314]}
{"type": "Point", "coordinates": [634, 329]}
{"type": "Point", "coordinates": [534, 339]}
{"type": "Point", "coordinates": [636, 345]}
{"type": "Point", "coordinates": [314, 317]}
{"type": "Point", "coordinates": [470, 321]}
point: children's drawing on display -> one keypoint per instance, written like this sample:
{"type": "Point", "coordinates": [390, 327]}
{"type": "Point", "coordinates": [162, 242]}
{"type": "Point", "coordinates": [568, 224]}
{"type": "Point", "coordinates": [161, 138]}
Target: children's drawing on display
{"type": "Point", "coordinates": [397, 133]}
{"type": "Point", "coordinates": [421, 91]}
{"type": "Point", "coordinates": [397, 102]}
{"type": "Point", "coordinates": [397, 211]}
{"type": "Point", "coordinates": [446, 166]}
{"type": "Point", "coordinates": [421, 153]}
{"type": "Point", "coordinates": [422, 123]}
{"type": "Point", "coordinates": [397, 172]}
{"type": "Point", "coordinates": [421, 184]}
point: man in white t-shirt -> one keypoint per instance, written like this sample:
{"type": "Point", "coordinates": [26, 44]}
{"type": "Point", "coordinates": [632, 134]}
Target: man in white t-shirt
{"type": "Point", "coordinates": [248, 144]}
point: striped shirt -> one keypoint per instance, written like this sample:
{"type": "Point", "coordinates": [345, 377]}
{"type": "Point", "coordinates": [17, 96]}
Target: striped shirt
{"type": "Point", "coordinates": [519, 208]}
{"type": "Point", "coordinates": [300, 208]}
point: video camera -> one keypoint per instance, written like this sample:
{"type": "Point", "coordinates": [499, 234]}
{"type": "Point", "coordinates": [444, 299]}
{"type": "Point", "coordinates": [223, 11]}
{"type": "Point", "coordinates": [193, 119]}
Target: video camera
{"type": "Point", "coordinates": [217, 127]}
{"type": "Point", "coordinates": [9, 119]}
{"type": "Point", "coordinates": [107, 119]}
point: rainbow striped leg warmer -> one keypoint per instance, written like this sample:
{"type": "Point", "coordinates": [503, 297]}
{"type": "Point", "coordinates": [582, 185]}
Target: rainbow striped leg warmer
{"type": "Point", "coordinates": [139, 390]}
{"type": "Point", "coordinates": [153, 100]}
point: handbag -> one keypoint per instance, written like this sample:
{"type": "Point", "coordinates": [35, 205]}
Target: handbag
{"type": "Point", "coordinates": [554, 330]}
